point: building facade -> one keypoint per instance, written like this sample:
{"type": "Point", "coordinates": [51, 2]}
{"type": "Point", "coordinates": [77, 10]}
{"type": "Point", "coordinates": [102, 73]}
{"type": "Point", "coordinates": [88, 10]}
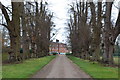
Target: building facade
{"type": "Point", "coordinates": [58, 48]}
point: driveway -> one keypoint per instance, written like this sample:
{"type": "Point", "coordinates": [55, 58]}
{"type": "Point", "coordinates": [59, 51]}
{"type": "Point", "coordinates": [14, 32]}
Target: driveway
{"type": "Point", "coordinates": [61, 67]}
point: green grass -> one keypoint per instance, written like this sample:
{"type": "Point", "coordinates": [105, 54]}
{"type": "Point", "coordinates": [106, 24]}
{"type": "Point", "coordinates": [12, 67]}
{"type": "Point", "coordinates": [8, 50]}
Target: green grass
{"type": "Point", "coordinates": [4, 56]}
{"type": "Point", "coordinates": [25, 69]}
{"type": "Point", "coordinates": [116, 59]}
{"type": "Point", "coordinates": [0, 66]}
{"type": "Point", "coordinates": [95, 70]}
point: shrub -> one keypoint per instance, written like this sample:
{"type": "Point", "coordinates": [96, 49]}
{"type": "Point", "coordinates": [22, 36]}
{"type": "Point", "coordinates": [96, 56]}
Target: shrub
{"type": "Point", "coordinates": [54, 53]}
{"type": "Point", "coordinates": [68, 53]}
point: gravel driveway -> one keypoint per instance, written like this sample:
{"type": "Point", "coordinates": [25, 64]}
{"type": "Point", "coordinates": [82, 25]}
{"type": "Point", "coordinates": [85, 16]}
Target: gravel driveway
{"type": "Point", "coordinates": [61, 67]}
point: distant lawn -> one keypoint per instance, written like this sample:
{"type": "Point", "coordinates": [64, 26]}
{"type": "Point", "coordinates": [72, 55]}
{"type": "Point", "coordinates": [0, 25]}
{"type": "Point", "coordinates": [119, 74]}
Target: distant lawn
{"type": "Point", "coordinates": [4, 56]}
{"type": "Point", "coordinates": [95, 70]}
{"type": "Point", "coordinates": [25, 69]}
{"type": "Point", "coordinates": [116, 59]}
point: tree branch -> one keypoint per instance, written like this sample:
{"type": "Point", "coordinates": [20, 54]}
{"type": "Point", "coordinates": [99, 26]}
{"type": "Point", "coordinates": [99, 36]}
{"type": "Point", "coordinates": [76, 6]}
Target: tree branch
{"type": "Point", "coordinates": [4, 11]}
{"type": "Point", "coordinates": [3, 25]}
{"type": "Point", "coordinates": [117, 26]}
{"type": "Point", "coordinates": [8, 9]}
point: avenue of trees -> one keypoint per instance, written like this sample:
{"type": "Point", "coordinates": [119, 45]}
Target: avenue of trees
{"type": "Point", "coordinates": [29, 25]}
{"type": "Point", "coordinates": [92, 32]}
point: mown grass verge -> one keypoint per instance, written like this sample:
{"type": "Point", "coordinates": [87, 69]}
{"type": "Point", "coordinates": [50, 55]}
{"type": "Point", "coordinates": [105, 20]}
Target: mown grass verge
{"type": "Point", "coordinates": [95, 70]}
{"type": "Point", "coordinates": [25, 69]}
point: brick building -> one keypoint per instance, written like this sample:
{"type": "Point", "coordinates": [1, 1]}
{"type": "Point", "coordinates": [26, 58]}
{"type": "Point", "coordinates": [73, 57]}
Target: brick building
{"type": "Point", "coordinates": [58, 47]}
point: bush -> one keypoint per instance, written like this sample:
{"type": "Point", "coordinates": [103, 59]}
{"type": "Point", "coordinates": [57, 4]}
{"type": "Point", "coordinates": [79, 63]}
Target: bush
{"type": "Point", "coordinates": [68, 53]}
{"type": "Point", "coordinates": [116, 54]}
{"type": "Point", "coordinates": [54, 53]}
{"type": "Point", "coordinates": [21, 50]}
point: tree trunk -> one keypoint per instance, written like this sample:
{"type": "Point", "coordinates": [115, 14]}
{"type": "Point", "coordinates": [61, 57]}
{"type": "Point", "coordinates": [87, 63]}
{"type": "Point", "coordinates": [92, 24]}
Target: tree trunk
{"type": "Point", "coordinates": [107, 32]}
{"type": "Point", "coordinates": [111, 51]}
{"type": "Point", "coordinates": [16, 29]}
{"type": "Point", "coordinates": [25, 40]}
{"type": "Point", "coordinates": [96, 31]}
{"type": "Point", "coordinates": [11, 52]}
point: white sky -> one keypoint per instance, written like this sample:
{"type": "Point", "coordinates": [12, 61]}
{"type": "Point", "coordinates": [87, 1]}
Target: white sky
{"type": "Point", "coordinates": [60, 9]}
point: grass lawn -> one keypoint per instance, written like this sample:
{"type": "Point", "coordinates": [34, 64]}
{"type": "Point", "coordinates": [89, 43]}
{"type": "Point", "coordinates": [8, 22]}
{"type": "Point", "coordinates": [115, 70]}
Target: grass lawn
{"type": "Point", "coordinates": [25, 69]}
{"type": "Point", "coordinates": [4, 56]}
{"type": "Point", "coordinates": [0, 66]}
{"type": "Point", "coordinates": [116, 59]}
{"type": "Point", "coordinates": [95, 70]}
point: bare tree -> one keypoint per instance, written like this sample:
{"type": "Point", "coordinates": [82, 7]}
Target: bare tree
{"type": "Point", "coordinates": [97, 34]}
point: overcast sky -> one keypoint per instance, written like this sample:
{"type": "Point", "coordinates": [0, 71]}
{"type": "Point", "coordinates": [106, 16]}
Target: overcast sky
{"type": "Point", "coordinates": [60, 10]}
